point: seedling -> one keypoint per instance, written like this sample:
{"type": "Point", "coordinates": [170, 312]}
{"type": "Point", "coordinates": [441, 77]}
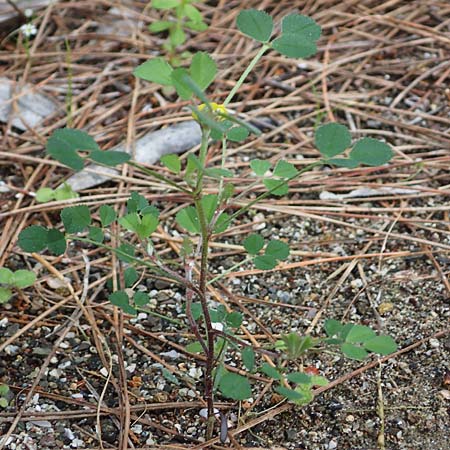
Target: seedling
{"type": "Point", "coordinates": [215, 328]}
{"type": "Point", "coordinates": [9, 280]}
{"type": "Point", "coordinates": [5, 395]}
{"type": "Point", "coordinates": [181, 16]}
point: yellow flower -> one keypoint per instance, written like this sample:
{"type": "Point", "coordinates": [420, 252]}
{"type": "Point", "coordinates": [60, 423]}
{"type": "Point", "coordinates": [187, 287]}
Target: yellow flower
{"type": "Point", "coordinates": [217, 109]}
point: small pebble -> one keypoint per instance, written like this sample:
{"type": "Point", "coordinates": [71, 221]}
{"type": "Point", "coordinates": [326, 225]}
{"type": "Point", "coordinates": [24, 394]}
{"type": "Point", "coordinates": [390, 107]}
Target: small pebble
{"type": "Point", "coordinates": [434, 343]}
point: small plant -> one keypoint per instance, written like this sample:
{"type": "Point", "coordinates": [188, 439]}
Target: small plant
{"type": "Point", "coordinates": [20, 279]}
{"type": "Point", "coordinates": [180, 16]}
{"type": "Point", "coordinates": [65, 192]}
{"type": "Point", "coordinates": [5, 395]}
{"type": "Point", "coordinates": [215, 328]}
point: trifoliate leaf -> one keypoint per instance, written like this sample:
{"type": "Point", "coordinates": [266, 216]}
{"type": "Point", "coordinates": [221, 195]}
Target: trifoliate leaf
{"type": "Point", "coordinates": [332, 139]}
{"type": "Point", "coordinates": [359, 334]}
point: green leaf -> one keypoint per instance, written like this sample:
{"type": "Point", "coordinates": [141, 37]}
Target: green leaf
{"type": "Point", "coordinates": [6, 276]}
{"type": "Point", "coordinates": [4, 390]}
{"type": "Point", "coordinates": [332, 327]}
{"type": "Point", "coordinates": [44, 195]}
{"type": "Point", "coordinates": [178, 78]}
{"type": "Point", "coordinates": [136, 203]}
{"type": "Point", "coordinates": [303, 27]}
{"type": "Point", "coordinates": [156, 70]}
{"type": "Point", "coordinates": [237, 134]}
{"type": "Point", "coordinates": [371, 152]}
{"type": "Point", "coordinates": [5, 294]}
{"type": "Point", "coordinates": [299, 378]}
{"type": "Point", "coordinates": [359, 333]}
{"type": "Point", "coordinates": [193, 13]}
{"type": "Point", "coordinates": [235, 386]}
{"type": "Point", "coordinates": [65, 192]}
{"type": "Point", "coordinates": [64, 144]}
{"type": "Point", "coordinates": [353, 351]}
{"type": "Point", "coordinates": [172, 162]}
{"type": "Point", "coordinates": [33, 239]}
{"type": "Point", "coordinates": [159, 25]}
{"type": "Point", "coordinates": [130, 276]}
{"type": "Point", "coordinates": [277, 249]}
{"type": "Point", "coordinates": [141, 299]}
{"type": "Point", "coordinates": [248, 358]}
{"type": "Point", "coordinates": [107, 215]}
{"type": "Point", "coordinates": [209, 203]}
{"type": "Point", "coordinates": [234, 319]}
{"type": "Point", "coordinates": [276, 187]}
{"type": "Point", "coordinates": [288, 45]}
{"type": "Point", "coordinates": [318, 380]}
{"type": "Point", "coordinates": [383, 345]}
{"type": "Point", "coordinates": [270, 371]}
{"type": "Point", "coordinates": [260, 167]}
{"type": "Point", "coordinates": [124, 251]}
{"type": "Point", "coordinates": [196, 310]}
{"type": "Point", "coordinates": [96, 234]}
{"type": "Point", "coordinates": [165, 4]}
{"type": "Point", "coordinates": [177, 36]}
{"type": "Point", "coordinates": [187, 218]}
{"type": "Point", "coordinates": [203, 70]}
{"type": "Point", "coordinates": [343, 162]}
{"type": "Point", "coordinates": [332, 139]}
{"type": "Point", "coordinates": [196, 26]}
{"type": "Point", "coordinates": [56, 242]}
{"type": "Point", "coordinates": [121, 300]}
{"type": "Point", "coordinates": [265, 262]}
{"type": "Point", "coordinates": [222, 223]}
{"type": "Point", "coordinates": [290, 394]}
{"type": "Point", "coordinates": [256, 24]}
{"type": "Point", "coordinates": [218, 173]}
{"type": "Point", "coordinates": [143, 227]}
{"type": "Point", "coordinates": [194, 347]}
{"type": "Point", "coordinates": [3, 401]}
{"type": "Point", "coordinates": [284, 169]}
{"type": "Point", "coordinates": [76, 218]}
{"type": "Point", "coordinates": [23, 278]}
{"type": "Point", "coordinates": [296, 345]}
{"type": "Point", "coordinates": [110, 157]}
{"type": "Point", "coordinates": [253, 243]}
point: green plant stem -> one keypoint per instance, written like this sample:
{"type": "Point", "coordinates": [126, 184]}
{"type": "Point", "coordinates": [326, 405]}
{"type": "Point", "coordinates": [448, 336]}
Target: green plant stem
{"type": "Point", "coordinates": [202, 157]}
{"type": "Point", "coordinates": [159, 177]}
{"type": "Point", "coordinates": [231, 269]}
{"type": "Point", "coordinates": [267, 193]}
{"type": "Point", "coordinates": [209, 382]}
{"type": "Point", "coordinates": [245, 74]}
